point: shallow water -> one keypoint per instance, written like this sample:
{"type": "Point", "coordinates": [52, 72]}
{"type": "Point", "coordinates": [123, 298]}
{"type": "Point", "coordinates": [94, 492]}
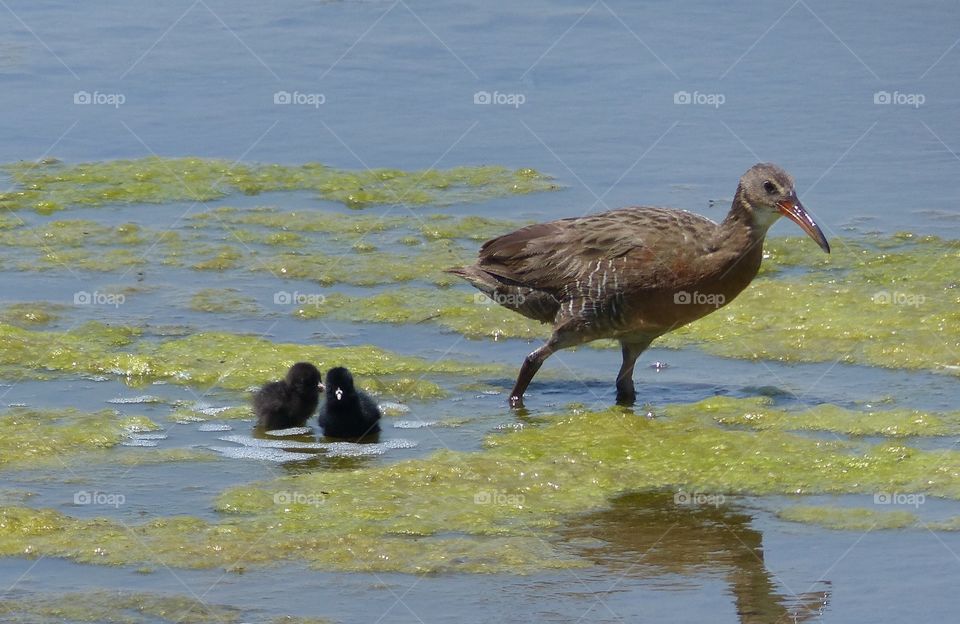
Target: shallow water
{"type": "Point", "coordinates": [599, 83]}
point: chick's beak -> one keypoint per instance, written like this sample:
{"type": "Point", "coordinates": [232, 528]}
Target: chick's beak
{"type": "Point", "coordinates": [320, 386]}
{"type": "Point", "coordinates": [339, 393]}
{"type": "Point", "coordinates": [792, 209]}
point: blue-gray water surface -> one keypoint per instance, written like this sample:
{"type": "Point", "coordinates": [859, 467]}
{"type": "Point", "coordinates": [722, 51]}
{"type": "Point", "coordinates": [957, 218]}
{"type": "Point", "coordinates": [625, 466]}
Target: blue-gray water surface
{"type": "Point", "coordinates": [623, 103]}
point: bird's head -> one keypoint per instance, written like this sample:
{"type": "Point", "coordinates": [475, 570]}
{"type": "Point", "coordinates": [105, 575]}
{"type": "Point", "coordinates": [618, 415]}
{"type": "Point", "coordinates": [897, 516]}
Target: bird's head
{"type": "Point", "coordinates": [304, 375]}
{"type": "Point", "coordinates": [767, 193]}
{"type": "Point", "coordinates": [339, 383]}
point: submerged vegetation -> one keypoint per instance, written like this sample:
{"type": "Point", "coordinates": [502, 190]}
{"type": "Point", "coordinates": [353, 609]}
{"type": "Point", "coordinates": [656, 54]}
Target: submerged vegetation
{"type": "Point", "coordinates": [123, 607]}
{"type": "Point", "coordinates": [35, 438]}
{"type": "Point", "coordinates": [889, 302]}
{"type": "Point", "coordinates": [761, 414]}
{"type": "Point", "coordinates": [849, 518]}
{"type": "Point", "coordinates": [500, 509]}
{"type": "Point", "coordinates": [52, 185]}
{"type": "Point", "coordinates": [204, 360]}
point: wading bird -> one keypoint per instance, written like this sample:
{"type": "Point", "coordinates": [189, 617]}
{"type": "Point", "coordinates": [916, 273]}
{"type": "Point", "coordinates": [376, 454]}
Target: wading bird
{"type": "Point", "coordinates": [633, 274]}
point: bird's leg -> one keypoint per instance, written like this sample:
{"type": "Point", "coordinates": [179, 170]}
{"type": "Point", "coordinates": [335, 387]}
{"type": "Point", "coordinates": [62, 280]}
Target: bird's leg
{"type": "Point", "coordinates": [531, 364]}
{"type": "Point", "coordinates": [564, 336]}
{"type": "Point", "coordinates": [626, 395]}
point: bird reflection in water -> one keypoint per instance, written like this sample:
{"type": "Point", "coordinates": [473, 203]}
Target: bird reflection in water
{"type": "Point", "coordinates": [649, 534]}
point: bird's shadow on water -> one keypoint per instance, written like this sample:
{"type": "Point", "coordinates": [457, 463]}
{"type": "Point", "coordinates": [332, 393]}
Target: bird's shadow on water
{"type": "Point", "coordinates": [659, 534]}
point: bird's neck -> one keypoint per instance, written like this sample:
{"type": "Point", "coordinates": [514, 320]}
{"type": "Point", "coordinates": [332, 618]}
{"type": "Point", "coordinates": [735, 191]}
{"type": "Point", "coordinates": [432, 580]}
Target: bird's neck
{"type": "Point", "coordinates": [744, 226]}
{"type": "Point", "coordinates": [740, 245]}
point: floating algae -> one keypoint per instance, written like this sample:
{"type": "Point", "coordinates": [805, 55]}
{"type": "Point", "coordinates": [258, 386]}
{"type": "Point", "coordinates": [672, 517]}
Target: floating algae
{"type": "Point", "coordinates": [162, 456]}
{"type": "Point", "coordinates": [66, 233]}
{"type": "Point", "coordinates": [849, 518]}
{"type": "Point", "coordinates": [51, 186]}
{"type": "Point", "coordinates": [889, 302]}
{"type": "Point", "coordinates": [75, 244]}
{"type": "Point", "coordinates": [362, 269]}
{"type": "Point", "coordinates": [123, 607]}
{"type": "Point", "coordinates": [222, 300]}
{"type": "Point", "coordinates": [760, 413]}
{"type": "Point", "coordinates": [186, 413]}
{"type": "Point", "coordinates": [30, 437]}
{"type": "Point", "coordinates": [880, 301]}
{"type": "Point", "coordinates": [30, 314]}
{"type": "Point", "coordinates": [340, 226]}
{"type": "Point", "coordinates": [501, 509]}
{"type": "Point", "coordinates": [208, 359]}
{"type": "Point", "coordinates": [322, 256]}
{"type": "Point", "coordinates": [473, 315]}
{"type": "Point", "coordinates": [219, 258]}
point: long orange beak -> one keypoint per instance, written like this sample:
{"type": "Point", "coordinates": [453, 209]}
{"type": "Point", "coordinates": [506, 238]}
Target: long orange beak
{"type": "Point", "coordinates": [792, 209]}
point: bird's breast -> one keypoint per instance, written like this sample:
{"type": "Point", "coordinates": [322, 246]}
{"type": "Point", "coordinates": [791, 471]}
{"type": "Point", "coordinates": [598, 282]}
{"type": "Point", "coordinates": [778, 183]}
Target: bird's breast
{"type": "Point", "coordinates": [693, 290]}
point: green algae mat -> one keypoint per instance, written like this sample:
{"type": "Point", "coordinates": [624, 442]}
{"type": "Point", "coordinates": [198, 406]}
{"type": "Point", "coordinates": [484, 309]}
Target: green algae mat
{"type": "Point", "coordinates": [51, 185]}
{"type": "Point", "coordinates": [889, 302]}
{"type": "Point", "coordinates": [124, 607]}
{"type": "Point", "coordinates": [208, 359]}
{"type": "Point", "coordinates": [503, 509]}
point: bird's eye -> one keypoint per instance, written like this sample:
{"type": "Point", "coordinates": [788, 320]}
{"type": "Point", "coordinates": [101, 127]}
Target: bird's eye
{"type": "Point", "coordinates": [769, 187]}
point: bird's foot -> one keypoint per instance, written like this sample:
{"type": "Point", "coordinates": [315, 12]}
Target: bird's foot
{"type": "Point", "coordinates": [516, 401]}
{"type": "Point", "coordinates": [626, 399]}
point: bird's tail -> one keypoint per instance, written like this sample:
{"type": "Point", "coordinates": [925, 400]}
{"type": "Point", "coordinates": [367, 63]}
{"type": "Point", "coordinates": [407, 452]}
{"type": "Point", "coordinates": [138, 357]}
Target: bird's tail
{"type": "Point", "coordinates": [531, 303]}
{"type": "Point", "coordinates": [478, 278]}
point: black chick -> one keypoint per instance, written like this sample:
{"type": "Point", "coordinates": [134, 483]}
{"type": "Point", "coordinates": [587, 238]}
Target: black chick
{"type": "Point", "coordinates": [289, 403]}
{"type": "Point", "coordinates": [346, 411]}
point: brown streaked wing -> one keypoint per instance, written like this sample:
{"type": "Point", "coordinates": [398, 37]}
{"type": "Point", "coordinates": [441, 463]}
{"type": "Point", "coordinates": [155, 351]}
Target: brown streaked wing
{"type": "Point", "coordinates": [547, 256]}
